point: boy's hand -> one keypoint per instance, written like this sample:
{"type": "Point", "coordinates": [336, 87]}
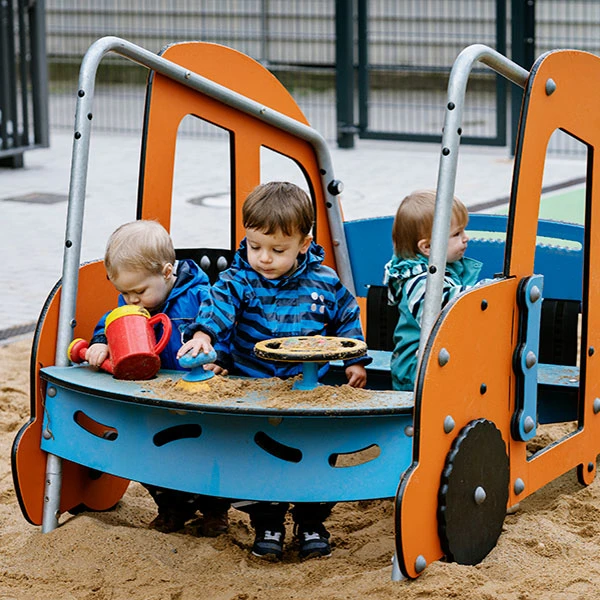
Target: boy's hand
{"type": "Point", "coordinates": [357, 376]}
{"type": "Point", "coordinates": [216, 369]}
{"type": "Point", "coordinates": [200, 341]}
{"type": "Point", "coordinates": [96, 354]}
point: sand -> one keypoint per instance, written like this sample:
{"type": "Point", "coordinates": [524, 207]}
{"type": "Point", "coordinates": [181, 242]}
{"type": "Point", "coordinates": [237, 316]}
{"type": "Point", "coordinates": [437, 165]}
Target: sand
{"type": "Point", "coordinates": [549, 548]}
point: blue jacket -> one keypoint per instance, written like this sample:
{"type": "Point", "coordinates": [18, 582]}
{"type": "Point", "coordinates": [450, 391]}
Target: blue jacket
{"type": "Point", "coordinates": [190, 293]}
{"type": "Point", "coordinates": [248, 308]}
{"type": "Point", "coordinates": [406, 279]}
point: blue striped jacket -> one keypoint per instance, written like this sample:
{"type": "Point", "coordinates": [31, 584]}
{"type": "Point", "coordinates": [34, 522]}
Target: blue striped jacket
{"type": "Point", "coordinates": [248, 308]}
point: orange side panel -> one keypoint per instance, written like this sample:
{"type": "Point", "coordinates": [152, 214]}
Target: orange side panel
{"type": "Point", "coordinates": [170, 102]}
{"type": "Point", "coordinates": [455, 390]}
{"type": "Point", "coordinates": [95, 296]}
{"type": "Point", "coordinates": [563, 94]}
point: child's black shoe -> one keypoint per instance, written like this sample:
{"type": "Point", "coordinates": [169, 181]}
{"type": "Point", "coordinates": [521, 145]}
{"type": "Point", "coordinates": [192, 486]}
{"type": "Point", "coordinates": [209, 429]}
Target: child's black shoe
{"type": "Point", "coordinates": [314, 543]}
{"type": "Point", "coordinates": [268, 544]}
{"type": "Point", "coordinates": [168, 522]}
{"type": "Point", "coordinates": [214, 523]}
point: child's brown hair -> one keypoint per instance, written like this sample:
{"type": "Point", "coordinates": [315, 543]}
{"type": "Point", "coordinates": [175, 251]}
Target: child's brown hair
{"type": "Point", "coordinates": [414, 221]}
{"type": "Point", "coordinates": [139, 246]}
{"type": "Point", "coordinates": [278, 206]}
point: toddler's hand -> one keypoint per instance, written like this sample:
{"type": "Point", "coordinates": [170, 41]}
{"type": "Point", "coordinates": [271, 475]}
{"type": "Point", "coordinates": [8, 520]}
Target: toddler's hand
{"type": "Point", "coordinates": [200, 341]}
{"type": "Point", "coordinates": [216, 369]}
{"type": "Point", "coordinates": [96, 354]}
{"type": "Point", "coordinates": [357, 376]}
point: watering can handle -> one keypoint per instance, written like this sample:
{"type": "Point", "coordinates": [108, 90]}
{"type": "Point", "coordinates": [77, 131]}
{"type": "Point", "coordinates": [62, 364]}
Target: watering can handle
{"type": "Point", "coordinates": [167, 328]}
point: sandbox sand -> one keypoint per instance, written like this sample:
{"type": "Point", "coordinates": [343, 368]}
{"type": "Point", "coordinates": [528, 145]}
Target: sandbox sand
{"type": "Point", "coordinates": [549, 548]}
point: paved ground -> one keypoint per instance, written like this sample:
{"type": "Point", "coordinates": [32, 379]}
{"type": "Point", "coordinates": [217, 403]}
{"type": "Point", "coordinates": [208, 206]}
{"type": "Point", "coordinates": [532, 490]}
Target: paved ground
{"type": "Point", "coordinates": [376, 175]}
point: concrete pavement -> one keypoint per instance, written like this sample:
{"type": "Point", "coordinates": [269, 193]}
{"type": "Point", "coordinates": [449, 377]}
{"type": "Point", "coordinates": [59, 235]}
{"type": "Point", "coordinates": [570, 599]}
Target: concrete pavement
{"type": "Point", "coordinates": [376, 176]}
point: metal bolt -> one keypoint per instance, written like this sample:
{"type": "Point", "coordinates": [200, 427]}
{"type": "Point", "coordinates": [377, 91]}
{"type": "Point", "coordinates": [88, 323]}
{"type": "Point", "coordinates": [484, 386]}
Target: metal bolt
{"type": "Point", "coordinates": [51, 391]}
{"type": "Point", "coordinates": [335, 187]}
{"type": "Point", "coordinates": [275, 421]}
{"type": "Point", "coordinates": [479, 495]}
{"type": "Point", "coordinates": [47, 434]}
{"type": "Point", "coordinates": [420, 563]}
{"type": "Point", "coordinates": [550, 87]}
{"type": "Point", "coordinates": [528, 424]}
{"type": "Point", "coordinates": [188, 74]}
{"type": "Point", "coordinates": [409, 431]}
{"type": "Point", "coordinates": [530, 359]}
{"type": "Point", "coordinates": [448, 424]}
{"type": "Point", "coordinates": [596, 406]}
{"type": "Point", "coordinates": [443, 357]}
{"type": "Point", "coordinates": [535, 294]}
{"type": "Point", "coordinates": [519, 486]}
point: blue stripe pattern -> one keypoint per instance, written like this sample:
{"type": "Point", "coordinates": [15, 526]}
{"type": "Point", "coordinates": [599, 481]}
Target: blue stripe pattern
{"type": "Point", "coordinates": [247, 308]}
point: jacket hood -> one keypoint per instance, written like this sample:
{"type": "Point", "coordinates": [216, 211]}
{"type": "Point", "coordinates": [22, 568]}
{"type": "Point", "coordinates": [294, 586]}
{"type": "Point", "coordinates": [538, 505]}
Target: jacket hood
{"type": "Point", "coordinates": [399, 269]}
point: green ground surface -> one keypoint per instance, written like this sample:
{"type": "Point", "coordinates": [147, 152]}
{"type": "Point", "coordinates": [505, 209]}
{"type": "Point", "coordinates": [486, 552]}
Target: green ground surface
{"type": "Point", "coordinates": [564, 205]}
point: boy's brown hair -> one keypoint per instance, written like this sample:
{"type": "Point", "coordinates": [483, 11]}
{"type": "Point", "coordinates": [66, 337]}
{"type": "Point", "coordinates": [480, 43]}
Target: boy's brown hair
{"type": "Point", "coordinates": [139, 246]}
{"type": "Point", "coordinates": [278, 206]}
{"type": "Point", "coordinates": [414, 221]}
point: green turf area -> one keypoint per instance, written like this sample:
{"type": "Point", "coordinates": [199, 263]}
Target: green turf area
{"type": "Point", "coordinates": [564, 205]}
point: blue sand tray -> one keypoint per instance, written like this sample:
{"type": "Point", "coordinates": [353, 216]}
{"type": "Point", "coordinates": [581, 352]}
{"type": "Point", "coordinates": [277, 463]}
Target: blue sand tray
{"type": "Point", "coordinates": [232, 447]}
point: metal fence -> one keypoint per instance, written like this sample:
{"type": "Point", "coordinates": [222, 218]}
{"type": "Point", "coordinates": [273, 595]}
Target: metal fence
{"type": "Point", "coordinates": [23, 80]}
{"type": "Point", "coordinates": [295, 40]}
{"type": "Point", "coordinates": [401, 53]}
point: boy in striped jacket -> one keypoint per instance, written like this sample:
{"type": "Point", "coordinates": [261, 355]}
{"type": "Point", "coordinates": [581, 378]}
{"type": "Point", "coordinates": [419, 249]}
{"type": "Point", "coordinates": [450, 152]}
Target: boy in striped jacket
{"type": "Point", "coordinates": [277, 286]}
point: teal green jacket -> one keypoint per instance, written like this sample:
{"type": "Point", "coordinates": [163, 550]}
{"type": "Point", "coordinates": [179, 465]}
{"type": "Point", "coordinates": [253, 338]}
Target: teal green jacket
{"type": "Point", "coordinates": [406, 278]}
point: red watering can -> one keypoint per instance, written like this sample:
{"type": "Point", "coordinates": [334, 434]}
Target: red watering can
{"type": "Point", "coordinates": [134, 351]}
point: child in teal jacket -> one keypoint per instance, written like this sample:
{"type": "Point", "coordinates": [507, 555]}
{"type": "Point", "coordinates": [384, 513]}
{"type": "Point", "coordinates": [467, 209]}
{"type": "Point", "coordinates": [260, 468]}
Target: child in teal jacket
{"type": "Point", "coordinates": [406, 275]}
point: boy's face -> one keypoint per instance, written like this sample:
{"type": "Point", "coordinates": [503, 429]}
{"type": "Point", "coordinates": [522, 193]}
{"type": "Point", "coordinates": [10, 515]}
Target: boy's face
{"type": "Point", "coordinates": [141, 288]}
{"type": "Point", "coordinates": [457, 243]}
{"type": "Point", "coordinates": [274, 255]}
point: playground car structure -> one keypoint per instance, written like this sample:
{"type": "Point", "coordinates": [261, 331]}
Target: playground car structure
{"type": "Point", "coordinates": [494, 364]}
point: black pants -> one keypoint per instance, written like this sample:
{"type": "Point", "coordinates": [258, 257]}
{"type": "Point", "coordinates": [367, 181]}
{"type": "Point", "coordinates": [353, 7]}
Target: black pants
{"type": "Point", "coordinates": [184, 503]}
{"type": "Point", "coordinates": [270, 516]}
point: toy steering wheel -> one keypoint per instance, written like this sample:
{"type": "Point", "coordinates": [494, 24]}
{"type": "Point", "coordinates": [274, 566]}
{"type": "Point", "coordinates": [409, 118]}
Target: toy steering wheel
{"type": "Point", "coordinates": [310, 350]}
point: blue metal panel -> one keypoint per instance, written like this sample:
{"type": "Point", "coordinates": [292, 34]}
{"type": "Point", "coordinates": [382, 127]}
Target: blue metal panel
{"type": "Point", "coordinates": [284, 456]}
{"type": "Point", "coordinates": [370, 247]}
{"type": "Point", "coordinates": [526, 363]}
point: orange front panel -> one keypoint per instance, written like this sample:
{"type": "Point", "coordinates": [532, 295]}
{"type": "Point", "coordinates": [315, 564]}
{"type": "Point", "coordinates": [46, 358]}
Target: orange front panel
{"type": "Point", "coordinates": [170, 102]}
{"type": "Point", "coordinates": [480, 344]}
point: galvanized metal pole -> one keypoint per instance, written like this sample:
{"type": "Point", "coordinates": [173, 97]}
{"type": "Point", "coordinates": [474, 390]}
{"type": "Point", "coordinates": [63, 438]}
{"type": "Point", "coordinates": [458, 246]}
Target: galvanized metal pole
{"type": "Point", "coordinates": [452, 131]}
{"type": "Point", "coordinates": [344, 72]}
{"type": "Point", "coordinates": [523, 53]}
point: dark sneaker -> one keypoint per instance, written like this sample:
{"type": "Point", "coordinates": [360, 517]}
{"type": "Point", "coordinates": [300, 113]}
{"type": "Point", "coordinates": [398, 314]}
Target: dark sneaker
{"type": "Point", "coordinates": [168, 522]}
{"type": "Point", "coordinates": [214, 524]}
{"type": "Point", "coordinates": [314, 544]}
{"type": "Point", "coordinates": [268, 545]}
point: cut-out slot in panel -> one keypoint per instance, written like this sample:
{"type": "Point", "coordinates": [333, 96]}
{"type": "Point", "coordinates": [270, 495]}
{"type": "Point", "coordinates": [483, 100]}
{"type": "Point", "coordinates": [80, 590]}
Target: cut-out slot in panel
{"type": "Point", "coordinates": [106, 432]}
{"type": "Point", "coordinates": [178, 432]}
{"type": "Point", "coordinates": [355, 458]}
{"type": "Point", "coordinates": [277, 449]}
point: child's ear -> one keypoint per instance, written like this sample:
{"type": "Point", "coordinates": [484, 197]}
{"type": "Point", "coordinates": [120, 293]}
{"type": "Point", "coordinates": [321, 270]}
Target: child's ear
{"type": "Point", "coordinates": [424, 247]}
{"type": "Point", "coordinates": [306, 244]}
{"type": "Point", "coordinates": [167, 270]}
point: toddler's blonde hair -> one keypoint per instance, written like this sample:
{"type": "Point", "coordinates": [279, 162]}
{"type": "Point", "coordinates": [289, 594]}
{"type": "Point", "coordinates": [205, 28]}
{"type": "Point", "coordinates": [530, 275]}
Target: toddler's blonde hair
{"type": "Point", "coordinates": [139, 246]}
{"type": "Point", "coordinates": [414, 221]}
